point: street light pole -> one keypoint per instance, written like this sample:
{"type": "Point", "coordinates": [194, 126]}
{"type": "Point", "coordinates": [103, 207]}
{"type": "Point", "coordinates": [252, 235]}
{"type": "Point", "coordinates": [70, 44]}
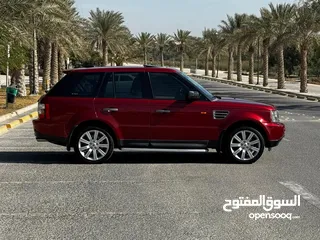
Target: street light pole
{"type": "Point", "coordinates": [7, 74]}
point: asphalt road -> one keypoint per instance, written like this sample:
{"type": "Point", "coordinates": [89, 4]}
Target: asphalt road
{"type": "Point", "coordinates": [47, 194]}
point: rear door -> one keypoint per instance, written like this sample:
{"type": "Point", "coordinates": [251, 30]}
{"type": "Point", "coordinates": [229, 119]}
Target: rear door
{"type": "Point", "coordinates": [123, 103]}
{"type": "Point", "coordinates": [71, 100]}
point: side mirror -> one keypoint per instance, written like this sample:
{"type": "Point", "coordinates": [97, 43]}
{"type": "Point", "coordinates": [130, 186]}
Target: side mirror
{"type": "Point", "coordinates": [193, 95]}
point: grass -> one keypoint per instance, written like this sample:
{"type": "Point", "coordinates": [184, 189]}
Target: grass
{"type": "Point", "coordinates": [20, 102]}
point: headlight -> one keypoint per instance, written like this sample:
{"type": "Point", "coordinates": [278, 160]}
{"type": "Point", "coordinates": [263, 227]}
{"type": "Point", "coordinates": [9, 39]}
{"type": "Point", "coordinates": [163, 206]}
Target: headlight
{"type": "Point", "coordinates": [275, 116]}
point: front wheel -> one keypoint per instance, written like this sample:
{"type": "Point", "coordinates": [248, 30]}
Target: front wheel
{"type": "Point", "coordinates": [94, 145]}
{"type": "Point", "coordinates": [244, 145]}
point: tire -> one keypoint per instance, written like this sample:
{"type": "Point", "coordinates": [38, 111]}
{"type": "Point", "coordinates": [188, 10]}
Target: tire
{"type": "Point", "coordinates": [91, 151]}
{"type": "Point", "coordinates": [253, 145]}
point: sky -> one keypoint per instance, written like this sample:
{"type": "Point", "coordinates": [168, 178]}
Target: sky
{"type": "Point", "coordinates": [169, 15]}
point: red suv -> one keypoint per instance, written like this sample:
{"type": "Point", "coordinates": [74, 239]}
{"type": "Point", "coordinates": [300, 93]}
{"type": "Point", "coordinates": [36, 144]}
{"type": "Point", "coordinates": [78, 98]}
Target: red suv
{"type": "Point", "coordinates": [95, 110]}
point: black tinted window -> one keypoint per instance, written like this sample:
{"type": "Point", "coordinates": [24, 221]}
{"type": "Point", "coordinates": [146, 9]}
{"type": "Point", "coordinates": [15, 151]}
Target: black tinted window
{"type": "Point", "coordinates": [77, 84]}
{"type": "Point", "coordinates": [128, 85]}
{"type": "Point", "coordinates": [167, 86]}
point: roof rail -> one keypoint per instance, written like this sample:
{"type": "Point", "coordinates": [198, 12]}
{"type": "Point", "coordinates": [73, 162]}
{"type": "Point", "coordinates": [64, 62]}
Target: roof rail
{"type": "Point", "coordinates": [148, 65]}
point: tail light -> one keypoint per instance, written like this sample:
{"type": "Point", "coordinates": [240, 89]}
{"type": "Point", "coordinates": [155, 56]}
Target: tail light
{"type": "Point", "coordinates": [43, 111]}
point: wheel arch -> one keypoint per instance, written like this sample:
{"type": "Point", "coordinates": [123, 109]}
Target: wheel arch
{"type": "Point", "coordinates": [95, 123]}
{"type": "Point", "coordinates": [243, 123]}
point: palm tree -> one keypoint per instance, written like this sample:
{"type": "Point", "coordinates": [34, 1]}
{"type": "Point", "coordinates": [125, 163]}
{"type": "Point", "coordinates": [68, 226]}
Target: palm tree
{"type": "Point", "coordinates": [306, 26]}
{"type": "Point", "coordinates": [212, 43]}
{"type": "Point", "coordinates": [232, 31]}
{"type": "Point", "coordinates": [181, 38]}
{"type": "Point", "coordinates": [162, 41]}
{"type": "Point", "coordinates": [263, 27]}
{"type": "Point", "coordinates": [37, 15]}
{"type": "Point", "coordinates": [228, 28]}
{"type": "Point", "coordinates": [207, 48]}
{"type": "Point", "coordinates": [105, 29]}
{"type": "Point", "coordinates": [250, 37]}
{"type": "Point", "coordinates": [144, 40]}
{"type": "Point", "coordinates": [123, 50]}
{"type": "Point", "coordinates": [71, 39]}
{"type": "Point", "coordinates": [54, 72]}
{"type": "Point", "coordinates": [14, 31]}
{"type": "Point", "coordinates": [281, 17]}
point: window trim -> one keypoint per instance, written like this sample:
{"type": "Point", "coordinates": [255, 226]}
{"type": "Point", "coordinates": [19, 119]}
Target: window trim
{"type": "Point", "coordinates": [145, 87]}
{"type": "Point", "coordinates": [181, 80]}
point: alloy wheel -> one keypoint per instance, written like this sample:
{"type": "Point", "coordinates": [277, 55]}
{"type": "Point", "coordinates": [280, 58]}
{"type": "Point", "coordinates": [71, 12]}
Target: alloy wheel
{"type": "Point", "coordinates": [93, 145]}
{"type": "Point", "coordinates": [245, 145]}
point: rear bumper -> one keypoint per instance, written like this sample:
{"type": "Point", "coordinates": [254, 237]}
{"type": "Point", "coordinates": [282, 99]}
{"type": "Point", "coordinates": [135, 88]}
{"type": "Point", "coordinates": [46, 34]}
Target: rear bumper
{"type": "Point", "coordinates": [52, 139]}
{"type": "Point", "coordinates": [41, 131]}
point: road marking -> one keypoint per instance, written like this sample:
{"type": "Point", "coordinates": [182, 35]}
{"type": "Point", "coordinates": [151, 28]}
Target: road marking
{"type": "Point", "coordinates": [97, 213]}
{"type": "Point", "coordinates": [286, 139]}
{"type": "Point", "coordinates": [301, 121]}
{"type": "Point", "coordinates": [99, 182]}
{"type": "Point", "coordinates": [300, 190]}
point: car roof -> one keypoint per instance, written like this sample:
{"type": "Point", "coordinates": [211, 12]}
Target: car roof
{"type": "Point", "coordinates": [150, 68]}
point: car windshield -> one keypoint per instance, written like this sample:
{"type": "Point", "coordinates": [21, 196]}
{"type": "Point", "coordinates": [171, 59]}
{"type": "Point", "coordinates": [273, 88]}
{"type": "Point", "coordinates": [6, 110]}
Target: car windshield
{"type": "Point", "coordinates": [199, 86]}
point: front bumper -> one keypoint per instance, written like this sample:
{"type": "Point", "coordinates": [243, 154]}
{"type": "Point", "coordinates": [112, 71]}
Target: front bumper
{"type": "Point", "coordinates": [276, 132]}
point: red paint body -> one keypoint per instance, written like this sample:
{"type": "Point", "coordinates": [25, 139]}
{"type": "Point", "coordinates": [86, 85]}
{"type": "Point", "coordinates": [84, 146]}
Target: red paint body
{"type": "Point", "coordinates": [137, 119]}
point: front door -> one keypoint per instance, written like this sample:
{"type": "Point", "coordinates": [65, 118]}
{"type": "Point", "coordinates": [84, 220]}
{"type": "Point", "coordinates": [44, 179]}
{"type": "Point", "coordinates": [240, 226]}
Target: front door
{"type": "Point", "coordinates": [175, 121]}
{"type": "Point", "coordinates": [122, 103]}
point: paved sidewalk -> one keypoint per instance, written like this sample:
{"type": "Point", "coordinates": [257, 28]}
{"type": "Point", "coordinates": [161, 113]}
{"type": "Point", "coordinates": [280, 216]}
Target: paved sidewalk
{"type": "Point", "coordinates": [290, 86]}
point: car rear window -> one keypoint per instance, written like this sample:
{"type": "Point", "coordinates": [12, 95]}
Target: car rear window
{"type": "Point", "coordinates": [77, 84]}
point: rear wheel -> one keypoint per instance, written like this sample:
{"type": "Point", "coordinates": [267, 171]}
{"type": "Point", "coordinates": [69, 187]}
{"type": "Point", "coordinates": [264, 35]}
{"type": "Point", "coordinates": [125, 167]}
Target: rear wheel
{"type": "Point", "coordinates": [244, 145]}
{"type": "Point", "coordinates": [94, 145]}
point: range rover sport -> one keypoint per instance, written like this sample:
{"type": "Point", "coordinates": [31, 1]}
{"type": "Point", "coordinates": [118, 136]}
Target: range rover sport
{"type": "Point", "coordinates": [95, 110]}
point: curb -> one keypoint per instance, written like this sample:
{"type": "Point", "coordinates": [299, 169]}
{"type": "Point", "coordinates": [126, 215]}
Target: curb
{"type": "Point", "coordinates": [258, 88]}
{"type": "Point", "coordinates": [15, 123]}
{"type": "Point", "coordinates": [18, 112]}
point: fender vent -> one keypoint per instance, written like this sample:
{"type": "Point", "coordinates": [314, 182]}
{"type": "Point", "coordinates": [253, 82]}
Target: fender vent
{"type": "Point", "coordinates": [220, 114]}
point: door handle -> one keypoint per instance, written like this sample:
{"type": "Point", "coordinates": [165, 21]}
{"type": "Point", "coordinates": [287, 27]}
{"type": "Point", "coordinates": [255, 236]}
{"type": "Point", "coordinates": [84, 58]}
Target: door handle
{"type": "Point", "coordinates": [110, 110]}
{"type": "Point", "coordinates": [163, 111]}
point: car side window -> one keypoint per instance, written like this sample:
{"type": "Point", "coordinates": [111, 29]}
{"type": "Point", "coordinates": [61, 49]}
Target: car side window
{"type": "Point", "coordinates": [77, 84]}
{"type": "Point", "coordinates": [167, 86]}
{"type": "Point", "coordinates": [128, 85]}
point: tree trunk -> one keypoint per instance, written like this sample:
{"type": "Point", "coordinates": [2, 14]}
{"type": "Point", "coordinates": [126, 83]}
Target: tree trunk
{"type": "Point", "coordinates": [239, 63]}
{"type": "Point", "coordinates": [30, 70]}
{"type": "Point", "coordinates": [14, 77]}
{"type": "Point", "coordinates": [35, 64]}
{"type": "Point", "coordinates": [213, 63]}
{"type": "Point", "coordinates": [22, 91]}
{"type": "Point", "coordinates": [230, 63]}
{"type": "Point", "coordinates": [105, 52]}
{"type": "Point", "coordinates": [251, 67]}
{"type": "Point", "coordinates": [60, 64]}
{"type": "Point", "coordinates": [47, 65]}
{"type": "Point", "coordinates": [207, 63]}
{"type": "Point", "coordinates": [181, 61]}
{"type": "Point", "coordinates": [54, 77]}
{"type": "Point", "coordinates": [304, 69]}
{"type": "Point", "coordinates": [265, 62]}
{"type": "Point", "coordinates": [162, 57]}
{"type": "Point", "coordinates": [145, 55]}
{"type": "Point", "coordinates": [281, 77]}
